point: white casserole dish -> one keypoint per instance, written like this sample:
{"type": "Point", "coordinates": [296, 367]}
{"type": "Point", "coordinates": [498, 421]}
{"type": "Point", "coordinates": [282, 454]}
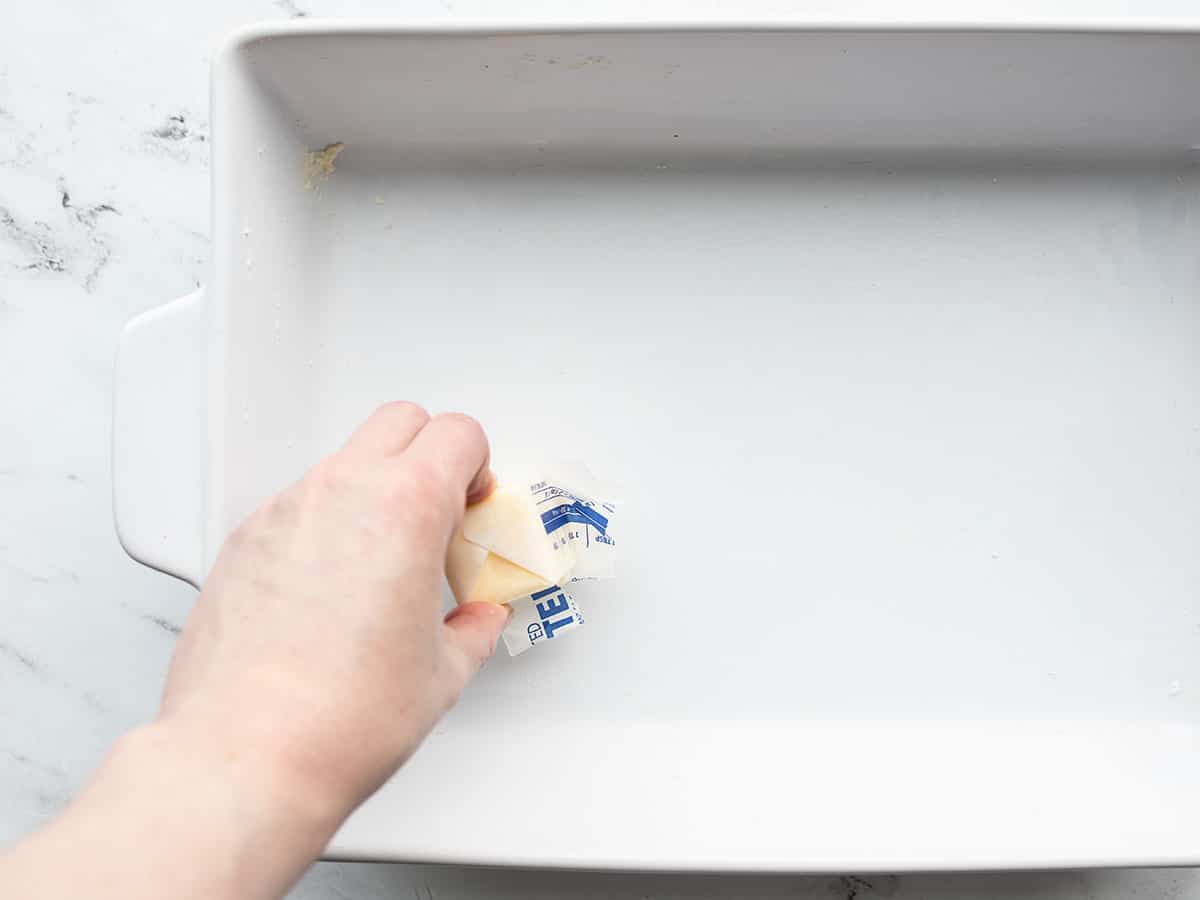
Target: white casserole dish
{"type": "Point", "coordinates": [892, 337]}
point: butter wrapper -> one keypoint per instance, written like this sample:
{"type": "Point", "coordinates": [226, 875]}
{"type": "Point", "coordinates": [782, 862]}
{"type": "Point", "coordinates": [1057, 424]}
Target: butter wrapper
{"type": "Point", "coordinates": [540, 617]}
{"type": "Point", "coordinates": [523, 544]}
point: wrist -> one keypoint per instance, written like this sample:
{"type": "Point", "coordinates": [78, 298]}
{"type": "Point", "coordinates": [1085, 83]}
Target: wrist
{"type": "Point", "coordinates": [263, 774]}
{"type": "Point", "coordinates": [175, 812]}
{"type": "Point", "coordinates": [198, 791]}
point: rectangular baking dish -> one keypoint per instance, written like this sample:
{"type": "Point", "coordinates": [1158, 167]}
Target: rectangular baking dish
{"type": "Point", "coordinates": [892, 338]}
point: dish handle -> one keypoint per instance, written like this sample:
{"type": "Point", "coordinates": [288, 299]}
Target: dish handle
{"type": "Point", "coordinates": [158, 447]}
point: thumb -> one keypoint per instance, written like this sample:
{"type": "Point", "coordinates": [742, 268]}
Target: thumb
{"type": "Point", "coordinates": [472, 631]}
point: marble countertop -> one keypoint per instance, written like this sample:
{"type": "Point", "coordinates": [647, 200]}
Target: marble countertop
{"type": "Point", "coordinates": [103, 213]}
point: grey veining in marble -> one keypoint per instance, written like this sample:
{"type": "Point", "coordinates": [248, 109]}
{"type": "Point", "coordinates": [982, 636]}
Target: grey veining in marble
{"type": "Point", "coordinates": [104, 148]}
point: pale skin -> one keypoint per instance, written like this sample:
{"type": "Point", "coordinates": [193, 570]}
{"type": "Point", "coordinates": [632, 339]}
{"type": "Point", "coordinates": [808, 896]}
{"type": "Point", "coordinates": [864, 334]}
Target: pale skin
{"type": "Point", "coordinates": [314, 663]}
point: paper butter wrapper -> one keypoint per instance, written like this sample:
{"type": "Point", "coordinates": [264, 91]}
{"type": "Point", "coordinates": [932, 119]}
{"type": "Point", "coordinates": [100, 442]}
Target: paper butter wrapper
{"type": "Point", "coordinates": [530, 537]}
{"type": "Point", "coordinates": [540, 617]}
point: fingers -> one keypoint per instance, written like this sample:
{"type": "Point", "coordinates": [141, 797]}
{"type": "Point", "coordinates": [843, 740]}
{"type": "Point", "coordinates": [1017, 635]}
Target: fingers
{"type": "Point", "coordinates": [482, 486]}
{"type": "Point", "coordinates": [388, 431]}
{"type": "Point", "coordinates": [472, 631]}
{"type": "Point", "coordinates": [454, 450]}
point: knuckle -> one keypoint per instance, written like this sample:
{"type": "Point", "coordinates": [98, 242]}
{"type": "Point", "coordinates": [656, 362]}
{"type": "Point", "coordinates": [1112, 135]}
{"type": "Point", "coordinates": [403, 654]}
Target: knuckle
{"type": "Point", "coordinates": [329, 476]}
{"type": "Point", "coordinates": [243, 535]}
{"type": "Point", "coordinates": [417, 495]}
{"type": "Point", "coordinates": [403, 410]}
{"type": "Point", "coordinates": [427, 520]}
{"type": "Point", "coordinates": [426, 481]}
{"type": "Point", "coordinates": [254, 532]}
{"type": "Point", "coordinates": [467, 427]}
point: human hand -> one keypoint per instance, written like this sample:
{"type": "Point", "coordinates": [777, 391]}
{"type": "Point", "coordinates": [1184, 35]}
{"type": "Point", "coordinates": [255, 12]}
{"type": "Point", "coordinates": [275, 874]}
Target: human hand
{"type": "Point", "coordinates": [318, 642]}
{"type": "Point", "coordinates": [315, 661]}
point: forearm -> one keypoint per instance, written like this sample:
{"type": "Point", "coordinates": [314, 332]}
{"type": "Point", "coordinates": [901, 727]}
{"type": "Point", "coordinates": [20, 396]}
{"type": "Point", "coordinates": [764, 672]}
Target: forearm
{"type": "Point", "coordinates": [315, 661]}
{"type": "Point", "coordinates": [175, 814]}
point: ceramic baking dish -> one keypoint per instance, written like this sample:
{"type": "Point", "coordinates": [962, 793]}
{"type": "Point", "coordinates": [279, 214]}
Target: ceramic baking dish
{"type": "Point", "coordinates": [893, 339]}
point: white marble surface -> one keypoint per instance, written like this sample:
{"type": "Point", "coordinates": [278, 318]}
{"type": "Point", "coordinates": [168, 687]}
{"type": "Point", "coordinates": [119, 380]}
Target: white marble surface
{"type": "Point", "coordinates": [103, 212]}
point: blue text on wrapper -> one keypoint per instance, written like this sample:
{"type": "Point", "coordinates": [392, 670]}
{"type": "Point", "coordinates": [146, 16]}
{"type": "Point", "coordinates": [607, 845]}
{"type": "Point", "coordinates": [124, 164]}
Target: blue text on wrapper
{"type": "Point", "coordinates": [576, 512]}
{"type": "Point", "coordinates": [547, 609]}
